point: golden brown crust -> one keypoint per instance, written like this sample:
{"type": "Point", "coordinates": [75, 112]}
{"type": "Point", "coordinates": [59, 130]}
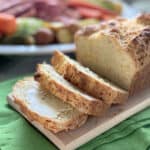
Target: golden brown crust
{"type": "Point", "coordinates": [86, 31]}
{"type": "Point", "coordinates": [141, 80]}
{"type": "Point", "coordinates": [89, 30]}
{"type": "Point", "coordinates": [47, 123]}
{"type": "Point", "coordinates": [91, 106]}
{"type": "Point", "coordinates": [144, 18]}
{"type": "Point", "coordinates": [85, 82]}
{"type": "Point", "coordinates": [139, 48]}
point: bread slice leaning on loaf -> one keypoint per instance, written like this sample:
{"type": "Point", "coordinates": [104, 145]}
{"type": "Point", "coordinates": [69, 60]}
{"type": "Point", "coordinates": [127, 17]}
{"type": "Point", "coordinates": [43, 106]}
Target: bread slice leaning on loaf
{"type": "Point", "coordinates": [87, 80]}
{"type": "Point", "coordinates": [61, 88]}
{"type": "Point", "coordinates": [118, 50]}
{"type": "Point", "coordinates": [44, 108]}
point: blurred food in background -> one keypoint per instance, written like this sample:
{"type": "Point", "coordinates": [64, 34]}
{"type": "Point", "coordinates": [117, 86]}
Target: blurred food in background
{"type": "Point", "coordinates": [51, 21]}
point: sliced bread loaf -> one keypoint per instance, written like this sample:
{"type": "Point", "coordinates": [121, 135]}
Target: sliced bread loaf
{"type": "Point", "coordinates": [61, 88]}
{"type": "Point", "coordinates": [118, 50]}
{"type": "Point", "coordinates": [87, 80]}
{"type": "Point", "coordinates": [44, 108]}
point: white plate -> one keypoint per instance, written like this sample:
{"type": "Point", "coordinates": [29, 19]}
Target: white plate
{"type": "Point", "coordinates": [94, 126]}
{"type": "Point", "coordinates": [34, 50]}
{"type": "Point", "coordinates": [128, 12]}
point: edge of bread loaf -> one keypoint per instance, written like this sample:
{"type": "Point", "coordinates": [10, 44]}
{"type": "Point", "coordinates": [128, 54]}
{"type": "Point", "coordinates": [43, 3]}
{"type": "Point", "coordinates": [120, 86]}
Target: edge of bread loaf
{"type": "Point", "coordinates": [86, 104]}
{"type": "Point", "coordinates": [91, 85]}
{"type": "Point", "coordinates": [48, 123]}
{"type": "Point", "coordinates": [141, 80]}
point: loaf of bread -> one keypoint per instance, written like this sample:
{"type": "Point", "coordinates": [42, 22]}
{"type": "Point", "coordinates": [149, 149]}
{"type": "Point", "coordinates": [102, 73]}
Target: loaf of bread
{"type": "Point", "coordinates": [87, 80]}
{"type": "Point", "coordinates": [118, 50]}
{"type": "Point", "coordinates": [61, 88]}
{"type": "Point", "coordinates": [44, 108]}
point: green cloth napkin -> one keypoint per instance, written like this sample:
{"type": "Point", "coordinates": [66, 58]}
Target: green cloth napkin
{"type": "Point", "coordinates": [17, 134]}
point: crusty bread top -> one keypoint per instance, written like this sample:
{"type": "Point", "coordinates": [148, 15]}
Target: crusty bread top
{"type": "Point", "coordinates": [91, 29]}
{"type": "Point", "coordinates": [45, 104]}
{"type": "Point", "coordinates": [144, 19]}
{"type": "Point", "coordinates": [132, 35]}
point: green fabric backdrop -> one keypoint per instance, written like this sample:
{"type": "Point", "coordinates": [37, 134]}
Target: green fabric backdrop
{"type": "Point", "coordinates": [17, 134]}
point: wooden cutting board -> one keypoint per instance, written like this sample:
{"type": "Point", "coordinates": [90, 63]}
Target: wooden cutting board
{"type": "Point", "coordinates": [94, 126]}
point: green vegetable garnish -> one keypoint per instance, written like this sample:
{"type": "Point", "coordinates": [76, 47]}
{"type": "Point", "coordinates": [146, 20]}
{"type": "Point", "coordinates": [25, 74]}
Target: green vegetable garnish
{"type": "Point", "coordinates": [26, 27]}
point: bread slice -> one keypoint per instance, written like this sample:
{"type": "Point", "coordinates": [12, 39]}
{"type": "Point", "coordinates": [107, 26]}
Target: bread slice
{"type": "Point", "coordinates": [44, 108]}
{"type": "Point", "coordinates": [61, 88]}
{"type": "Point", "coordinates": [87, 80]}
{"type": "Point", "coordinates": [119, 50]}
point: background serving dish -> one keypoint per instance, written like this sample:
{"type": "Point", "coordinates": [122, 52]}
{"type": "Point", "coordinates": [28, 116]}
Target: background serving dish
{"type": "Point", "coordinates": [48, 49]}
{"type": "Point", "coordinates": [34, 50]}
